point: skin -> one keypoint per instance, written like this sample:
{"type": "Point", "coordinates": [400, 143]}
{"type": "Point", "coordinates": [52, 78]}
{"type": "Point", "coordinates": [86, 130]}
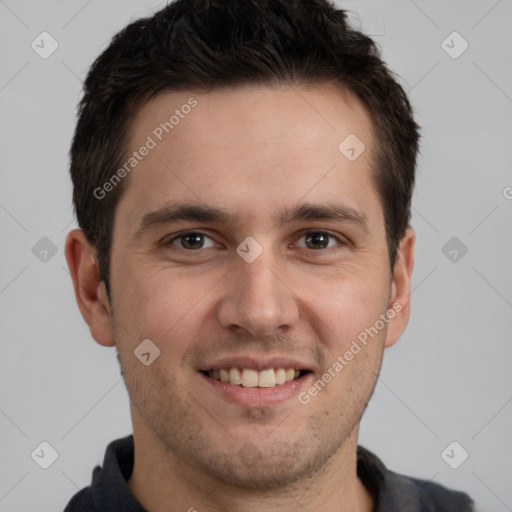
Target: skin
{"type": "Point", "coordinates": [255, 152]}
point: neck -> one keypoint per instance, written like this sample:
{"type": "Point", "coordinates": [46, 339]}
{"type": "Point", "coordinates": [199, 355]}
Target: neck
{"type": "Point", "coordinates": [162, 482]}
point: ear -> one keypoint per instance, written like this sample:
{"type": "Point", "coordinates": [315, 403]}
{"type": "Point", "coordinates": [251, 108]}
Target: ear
{"type": "Point", "coordinates": [400, 293]}
{"type": "Point", "coordinates": [90, 292]}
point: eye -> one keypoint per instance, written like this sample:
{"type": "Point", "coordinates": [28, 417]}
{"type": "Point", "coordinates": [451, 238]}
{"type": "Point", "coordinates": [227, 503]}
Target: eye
{"type": "Point", "coordinates": [192, 240]}
{"type": "Point", "coordinates": [318, 240]}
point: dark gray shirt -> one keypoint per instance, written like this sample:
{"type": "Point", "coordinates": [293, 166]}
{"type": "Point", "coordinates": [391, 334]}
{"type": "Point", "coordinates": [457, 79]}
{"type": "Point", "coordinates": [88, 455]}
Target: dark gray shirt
{"type": "Point", "coordinates": [109, 490]}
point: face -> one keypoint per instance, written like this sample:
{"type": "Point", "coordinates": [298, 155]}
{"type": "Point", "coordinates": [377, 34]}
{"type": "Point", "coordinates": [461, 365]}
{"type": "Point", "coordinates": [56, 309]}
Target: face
{"type": "Point", "coordinates": [248, 248]}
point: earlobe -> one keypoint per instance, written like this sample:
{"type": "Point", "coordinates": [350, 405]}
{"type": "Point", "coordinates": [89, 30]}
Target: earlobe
{"type": "Point", "coordinates": [90, 292]}
{"type": "Point", "coordinates": [401, 288]}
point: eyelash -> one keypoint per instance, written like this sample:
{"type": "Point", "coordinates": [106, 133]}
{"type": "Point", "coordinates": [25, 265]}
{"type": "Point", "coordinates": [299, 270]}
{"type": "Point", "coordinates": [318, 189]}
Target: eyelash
{"type": "Point", "coordinates": [340, 241]}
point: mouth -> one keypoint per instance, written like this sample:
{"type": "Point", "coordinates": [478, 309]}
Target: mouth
{"type": "Point", "coordinates": [254, 381]}
{"type": "Point", "coordinates": [253, 378]}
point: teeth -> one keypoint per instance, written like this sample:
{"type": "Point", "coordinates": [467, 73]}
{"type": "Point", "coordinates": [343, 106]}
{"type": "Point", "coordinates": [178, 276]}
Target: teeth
{"type": "Point", "coordinates": [249, 378]}
{"type": "Point", "coordinates": [267, 379]}
{"type": "Point", "coordinates": [280, 376]}
{"type": "Point", "coordinates": [235, 377]}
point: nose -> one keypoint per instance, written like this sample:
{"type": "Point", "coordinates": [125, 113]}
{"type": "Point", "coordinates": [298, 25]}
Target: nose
{"type": "Point", "coordinates": [257, 299]}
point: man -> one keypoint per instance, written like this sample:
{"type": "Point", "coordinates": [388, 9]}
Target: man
{"type": "Point", "coordinates": [242, 176]}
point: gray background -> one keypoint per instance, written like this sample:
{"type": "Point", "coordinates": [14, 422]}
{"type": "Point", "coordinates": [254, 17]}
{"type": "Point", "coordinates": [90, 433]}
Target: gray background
{"type": "Point", "coordinates": [448, 379]}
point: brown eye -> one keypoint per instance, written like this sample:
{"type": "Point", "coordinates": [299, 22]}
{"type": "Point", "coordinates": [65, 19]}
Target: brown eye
{"type": "Point", "coordinates": [192, 241]}
{"type": "Point", "coordinates": [318, 240]}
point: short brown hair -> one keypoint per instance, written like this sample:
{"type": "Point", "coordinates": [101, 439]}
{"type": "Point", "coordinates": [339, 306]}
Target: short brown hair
{"type": "Point", "coordinates": [208, 44]}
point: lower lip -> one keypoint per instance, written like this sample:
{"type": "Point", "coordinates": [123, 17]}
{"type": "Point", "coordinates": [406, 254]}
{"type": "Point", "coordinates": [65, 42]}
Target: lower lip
{"type": "Point", "coordinates": [258, 397]}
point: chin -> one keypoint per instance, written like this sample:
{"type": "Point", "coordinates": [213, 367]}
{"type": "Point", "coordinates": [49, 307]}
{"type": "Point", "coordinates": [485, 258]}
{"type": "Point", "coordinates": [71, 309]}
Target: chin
{"type": "Point", "coordinates": [267, 468]}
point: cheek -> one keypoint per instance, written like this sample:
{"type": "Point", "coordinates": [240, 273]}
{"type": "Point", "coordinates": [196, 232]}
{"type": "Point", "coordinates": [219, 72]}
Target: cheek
{"type": "Point", "coordinates": [173, 306]}
{"type": "Point", "coordinates": [160, 303]}
{"type": "Point", "coordinates": [346, 306]}
{"type": "Point", "coordinates": [346, 317]}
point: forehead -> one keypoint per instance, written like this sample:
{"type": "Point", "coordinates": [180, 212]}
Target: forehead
{"type": "Point", "coordinates": [250, 149]}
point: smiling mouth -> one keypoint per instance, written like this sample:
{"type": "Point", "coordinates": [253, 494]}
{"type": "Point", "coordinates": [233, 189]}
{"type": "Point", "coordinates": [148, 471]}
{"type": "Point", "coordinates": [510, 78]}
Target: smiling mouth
{"type": "Point", "coordinates": [250, 378]}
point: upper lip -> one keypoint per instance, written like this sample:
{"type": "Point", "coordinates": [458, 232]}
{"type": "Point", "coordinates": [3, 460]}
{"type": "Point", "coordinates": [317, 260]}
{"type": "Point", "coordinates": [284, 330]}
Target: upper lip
{"type": "Point", "coordinates": [255, 363]}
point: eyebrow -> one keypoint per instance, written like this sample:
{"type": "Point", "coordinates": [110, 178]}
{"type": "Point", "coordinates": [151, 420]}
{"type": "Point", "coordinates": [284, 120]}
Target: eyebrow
{"type": "Point", "coordinates": [211, 215]}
